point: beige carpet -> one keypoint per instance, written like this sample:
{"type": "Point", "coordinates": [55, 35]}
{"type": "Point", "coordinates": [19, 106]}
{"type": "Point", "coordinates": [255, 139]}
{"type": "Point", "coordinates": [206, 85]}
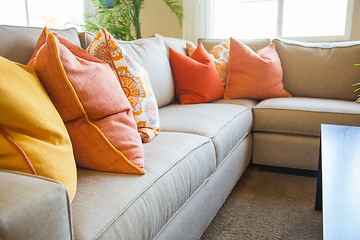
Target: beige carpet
{"type": "Point", "coordinates": [268, 205]}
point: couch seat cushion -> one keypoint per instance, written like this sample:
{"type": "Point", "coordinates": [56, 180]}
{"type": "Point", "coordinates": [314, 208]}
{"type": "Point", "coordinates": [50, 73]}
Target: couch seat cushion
{"type": "Point", "coordinates": [124, 206]}
{"type": "Point", "coordinates": [226, 125]}
{"type": "Point", "coordinates": [303, 116]}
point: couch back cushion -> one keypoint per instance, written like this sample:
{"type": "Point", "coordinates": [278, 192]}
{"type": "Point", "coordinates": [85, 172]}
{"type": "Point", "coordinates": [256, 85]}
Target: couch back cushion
{"type": "Point", "coordinates": [322, 70]}
{"type": "Point", "coordinates": [254, 44]}
{"type": "Point", "coordinates": [151, 54]}
{"type": "Point", "coordinates": [18, 43]}
{"type": "Point", "coordinates": [176, 44]}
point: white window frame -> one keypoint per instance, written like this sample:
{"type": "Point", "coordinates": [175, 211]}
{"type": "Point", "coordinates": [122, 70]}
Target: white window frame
{"type": "Point", "coordinates": [198, 22]}
{"type": "Point", "coordinates": [345, 37]}
{"type": "Point", "coordinates": [29, 21]}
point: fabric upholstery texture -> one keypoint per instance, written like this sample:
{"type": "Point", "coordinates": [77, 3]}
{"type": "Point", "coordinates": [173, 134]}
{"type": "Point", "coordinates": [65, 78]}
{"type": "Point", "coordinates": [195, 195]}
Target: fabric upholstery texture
{"type": "Point", "coordinates": [196, 78]}
{"type": "Point", "coordinates": [152, 54]}
{"type": "Point", "coordinates": [177, 44]}
{"type": "Point", "coordinates": [17, 43]}
{"type": "Point", "coordinates": [92, 104]}
{"type": "Point", "coordinates": [195, 215]}
{"type": "Point", "coordinates": [225, 125]}
{"type": "Point", "coordinates": [33, 207]}
{"type": "Point", "coordinates": [85, 39]}
{"type": "Point", "coordinates": [254, 75]}
{"type": "Point", "coordinates": [177, 164]}
{"type": "Point", "coordinates": [134, 80]}
{"type": "Point", "coordinates": [33, 138]}
{"type": "Point", "coordinates": [250, 103]}
{"type": "Point", "coordinates": [329, 74]}
{"type": "Point", "coordinates": [278, 115]}
{"type": "Point", "coordinates": [285, 150]}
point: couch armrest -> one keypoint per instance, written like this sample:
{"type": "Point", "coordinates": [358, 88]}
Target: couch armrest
{"type": "Point", "coordinates": [33, 207]}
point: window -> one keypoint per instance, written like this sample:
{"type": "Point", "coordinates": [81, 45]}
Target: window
{"type": "Point", "coordinates": [245, 18]}
{"type": "Point", "coordinates": [312, 20]}
{"type": "Point", "coordinates": [316, 19]}
{"type": "Point", "coordinates": [40, 13]}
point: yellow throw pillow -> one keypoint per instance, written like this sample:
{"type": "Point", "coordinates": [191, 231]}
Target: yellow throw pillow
{"type": "Point", "coordinates": [134, 80]}
{"type": "Point", "coordinates": [33, 138]}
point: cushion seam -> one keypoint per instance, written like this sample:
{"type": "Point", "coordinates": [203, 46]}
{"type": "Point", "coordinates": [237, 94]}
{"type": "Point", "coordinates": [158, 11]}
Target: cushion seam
{"type": "Point", "coordinates": [232, 119]}
{"type": "Point", "coordinates": [302, 110]}
{"type": "Point", "coordinates": [213, 135]}
{"type": "Point", "coordinates": [293, 133]}
{"type": "Point", "coordinates": [19, 149]}
{"type": "Point", "coordinates": [207, 179]}
{"type": "Point", "coordinates": [285, 42]}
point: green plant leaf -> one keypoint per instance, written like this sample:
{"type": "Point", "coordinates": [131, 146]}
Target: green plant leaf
{"type": "Point", "coordinates": [121, 18]}
{"type": "Point", "coordinates": [176, 9]}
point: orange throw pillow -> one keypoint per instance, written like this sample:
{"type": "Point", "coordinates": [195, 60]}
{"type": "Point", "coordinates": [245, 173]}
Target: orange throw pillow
{"type": "Point", "coordinates": [254, 75]}
{"type": "Point", "coordinates": [219, 54]}
{"type": "Point", "coordinates": [92, 105]}
{"type": "Point", "coordinates": [196, 78]}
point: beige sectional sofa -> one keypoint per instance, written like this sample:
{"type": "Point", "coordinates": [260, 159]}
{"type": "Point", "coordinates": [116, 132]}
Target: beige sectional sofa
{"type": "Point", "coordinates": [200, 153]}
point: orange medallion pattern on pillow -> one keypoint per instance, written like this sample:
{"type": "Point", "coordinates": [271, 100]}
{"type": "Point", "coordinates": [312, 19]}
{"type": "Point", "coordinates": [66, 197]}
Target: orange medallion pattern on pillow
{"type": "Point", "coordinates": [190, 48]}
{"type": "Point", "coordinates": [92, 105]}
{"type": "Point", "coordinates": [134, 80]}
{"type": "Point", "coordinates": [254, 75]}
{"type": "Point", "coordinates": [196, 78]}
{"type": "Point", "coordinates": [219, 54]}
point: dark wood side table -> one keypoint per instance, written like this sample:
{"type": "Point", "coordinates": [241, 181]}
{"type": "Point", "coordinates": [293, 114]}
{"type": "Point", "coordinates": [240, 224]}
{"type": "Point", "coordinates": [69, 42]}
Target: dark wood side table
{"type": "Point", "coordinates": [339, 181]}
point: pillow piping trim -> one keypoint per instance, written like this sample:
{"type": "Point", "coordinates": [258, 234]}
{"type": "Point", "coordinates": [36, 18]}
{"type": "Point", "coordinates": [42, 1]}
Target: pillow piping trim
{"type": "Point", "coordinates": [85, 113]}
{"type": "Point", "coordinates": [19, 149]}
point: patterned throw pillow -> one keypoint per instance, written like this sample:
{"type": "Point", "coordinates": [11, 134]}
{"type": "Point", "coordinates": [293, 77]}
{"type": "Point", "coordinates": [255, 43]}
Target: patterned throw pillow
{"type": "Point", "coordinates": [190, 48]}
{"type": "Point", "coordinates": [219, 54]}
{"type": "Point", "coordinates": [134, 80]}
